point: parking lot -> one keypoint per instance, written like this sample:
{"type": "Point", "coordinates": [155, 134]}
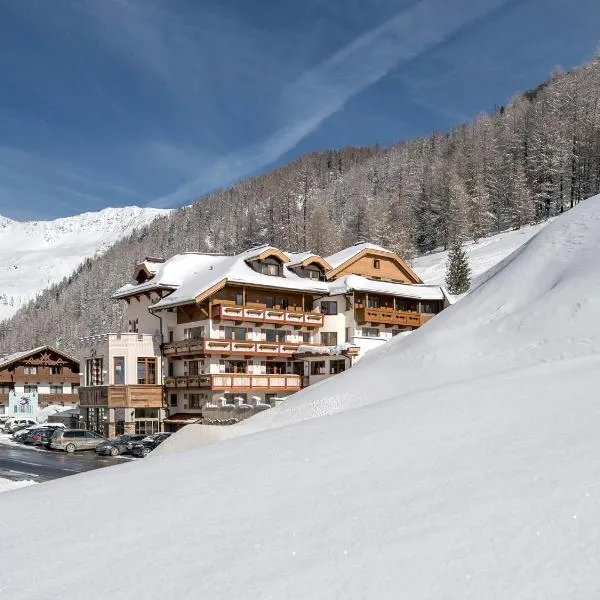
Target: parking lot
{"type": "Point", "coordinates": [20, 462]}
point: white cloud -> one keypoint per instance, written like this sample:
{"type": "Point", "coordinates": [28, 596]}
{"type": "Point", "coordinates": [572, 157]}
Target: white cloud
{"type": "Point", "coordinates": [325, 89]}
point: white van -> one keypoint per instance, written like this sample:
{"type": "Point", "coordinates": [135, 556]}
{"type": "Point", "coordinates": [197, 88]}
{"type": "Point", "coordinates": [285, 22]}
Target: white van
{"type": "Point", "coordinates": [18, 422]}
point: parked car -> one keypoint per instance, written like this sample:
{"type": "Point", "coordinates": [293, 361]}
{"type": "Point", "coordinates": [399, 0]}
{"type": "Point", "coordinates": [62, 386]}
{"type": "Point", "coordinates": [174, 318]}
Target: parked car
{"type": "Point", "coordinates": [70, 440]}
{"type": "Point", "coordinates": [122, 444]}
{"type": "Point", "coordinates": [39, 436]}
{"type": "Point", "coordinates": [18, 423]}
{"type": "Point", "coordinates": [19, 434]}
{"type": "Point", "coordinates": [148, 444]}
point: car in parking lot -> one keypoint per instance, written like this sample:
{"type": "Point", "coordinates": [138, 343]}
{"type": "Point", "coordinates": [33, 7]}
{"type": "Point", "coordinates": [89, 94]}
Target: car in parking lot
{"type": "Point", "coordinates": [39, 436]}
{"type": "Point", "coordinates": [71, 440]}
{"type": "Point", "coordinates": [14, 424]}
{"type": "Point", "coordinates": [148, 444]}
{"type": "Point", "coordinates": [122, 444]}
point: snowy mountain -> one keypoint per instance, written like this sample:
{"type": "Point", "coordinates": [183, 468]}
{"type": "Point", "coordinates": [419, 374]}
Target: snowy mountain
{"type": "Point", "coordinates": [460, 462]}
{"type": "Point", "coordinates": [35, 254]}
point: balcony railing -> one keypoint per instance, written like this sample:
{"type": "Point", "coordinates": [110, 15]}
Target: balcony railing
{"type": "Point", "coordinates": [118, 396]}
{"type": "Point", "coordinates": [389, 316]}
{"type": "Point", "coordinates": [245, 347]}
{"type": "Point", "coordinates": [236, 381]}
{"type": "Point", "coordinates": [267, 315]}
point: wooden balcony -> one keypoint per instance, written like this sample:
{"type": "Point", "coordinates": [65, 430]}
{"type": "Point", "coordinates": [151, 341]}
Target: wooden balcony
{"type": "Point", "coordinates": [58, 399]}
{"type": "Point", "coordinates": [227, 347]}
{"type": "Point", "coordinates": [122, 396]}
{"type": "Point", "coordinates": [236, 381]}
{"type": "Point", "coordinates": [274, 316]}
{"type": "Point", "coordinates": [389, 316]}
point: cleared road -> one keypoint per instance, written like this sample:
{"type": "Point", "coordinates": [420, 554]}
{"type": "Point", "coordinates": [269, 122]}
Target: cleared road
{"type": "Point", "coordinates": [18, 462]}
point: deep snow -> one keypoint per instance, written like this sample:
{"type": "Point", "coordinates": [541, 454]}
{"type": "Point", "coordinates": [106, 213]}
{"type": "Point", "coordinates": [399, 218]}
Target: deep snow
{"type": "Point", "coordinates": [460, 462]}
{"type": "Point", "coordinates": [36, 254]}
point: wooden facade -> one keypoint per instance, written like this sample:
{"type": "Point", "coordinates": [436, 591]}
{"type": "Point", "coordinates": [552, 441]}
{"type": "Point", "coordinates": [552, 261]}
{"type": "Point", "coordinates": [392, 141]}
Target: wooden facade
{"type": "Point", "coordinates": [42, 366]}
{"type": "Point", "coordinates": [122, 396]}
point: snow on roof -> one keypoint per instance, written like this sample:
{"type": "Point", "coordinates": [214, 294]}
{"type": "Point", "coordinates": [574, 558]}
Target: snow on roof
{"type": "Point", "coordinates": [6, 360]}
{"type": "Point", "coordinates": [211, 270]}
{"type": "Point", "coordinates": [339, 258]}
{"type": "Point", "coordinates": [357, 283]}
{"type": "Point", "coordinates": [169, 274]}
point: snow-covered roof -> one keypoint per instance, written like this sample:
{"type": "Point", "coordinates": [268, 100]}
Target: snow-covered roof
{"type": "Point", "coordinates": [169, 274]}
{"type": "Point", "coordinates": [339, 258]}
{"type": "Point", "coordinates": [211, 270]}
{"type": "Point", "coordinates": [357, 283]}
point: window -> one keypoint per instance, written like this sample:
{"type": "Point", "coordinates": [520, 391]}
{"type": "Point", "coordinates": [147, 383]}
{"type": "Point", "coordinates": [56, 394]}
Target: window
{"type": "Point", "coordinates": [317, 367]}
{"type": "Point", "coordinates": [93, 371]}
{"type": "Point", "coordinates": [270, 302]}
{"type": "Point", "coordinates": [171, 336]}
{"type": "Point", "coordinates": [193, 333]}
{"type": "Point", "coordinates": [28, 370]}
{"type": "Point", "coordinates": [268, 269]}
{"type": "Point", "coordinates": [347, 338]}
{"type": "Point", "coordinates": [370, 332]}
{"type": "Point", "coordinates": [376, 263]}
{"type": "Point", "coordinates": [171, 369]}
{"type": "Point", "coordinates": [233, 366]}
{"type": "Point", "coordinates": [146, 370]}
{"type": "Point", "coordinates": [6, 389]}
{"type": "Point", "coordinates": [75, 388]}
{"type": "Point", "coordinates": [56, 370]}
{"type": "Point", "coordinates": [329, 307]}
{"type": "Point", "coordinates": [282, 303]}
{"type": "Point", "coordinates": [306, 337]}
{"type": "Point", "coordinates": [56, 389]}
{"type": "Point", "coordinates": [172, 399]}
{"type": "Point", "coordinates": [195, 400]}
{"type": "Point", "coordinates": [373, 303]}
{"type": "Point", "coordinates": [337, 366]}
{"type": "Point", "coordinates": [348, 304]}
{"type": "Point", "coordinates": [28, 389]}
{"type": "Point", "coordinates": [275, 335]}
{"type": "Point", "coordinates": [235, 333]}
{"type": "Point", "coordinates": [119, 371]}
{"type": "Point", "coordinates": [313, 274]}
{"type": "Point", "coordinates": [329, 338]}
{"type": "Point", "coordinates": [275, 368]}
{"type": "Point", "coordinates": [239, 299]}
{"type": "Point", "coordinates": [428, 307]}
{"type": "Point", "coordinates": [195, 367]}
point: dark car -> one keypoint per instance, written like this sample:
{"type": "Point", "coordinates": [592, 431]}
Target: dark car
{"type": "Point", "coordinates": [148, 444]}
{"type": "Point", "coordinates": [122, 444]}
{"type": "Point", "coordinates": [39, 436]}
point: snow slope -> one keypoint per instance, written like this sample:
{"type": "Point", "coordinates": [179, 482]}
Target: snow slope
{"type": "Point", "coordinates": [458, 463]}
{"type": "Point", "coordinates": [35, 254]}
{"type": "Point", "coordinates": [483, 255]}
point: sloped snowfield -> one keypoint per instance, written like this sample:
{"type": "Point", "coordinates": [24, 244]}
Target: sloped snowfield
{"type": "Point", "coordinates": [460, 462]}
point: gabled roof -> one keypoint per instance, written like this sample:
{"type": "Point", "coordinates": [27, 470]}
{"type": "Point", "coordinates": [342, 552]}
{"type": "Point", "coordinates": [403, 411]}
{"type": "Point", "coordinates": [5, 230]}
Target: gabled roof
{"type": "Point", "coordinates": [303, 259]}
{"type": "Point", "coordinates": [347, 256]}
{"type": "Point", "coordinates": [11, 358]}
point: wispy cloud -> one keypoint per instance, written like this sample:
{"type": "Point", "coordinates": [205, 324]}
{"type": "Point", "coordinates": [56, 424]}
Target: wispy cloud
{"type": "Point", "coordinates": [325, 89]}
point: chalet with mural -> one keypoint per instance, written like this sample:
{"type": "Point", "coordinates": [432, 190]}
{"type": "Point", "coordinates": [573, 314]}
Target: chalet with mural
{"type": "Point", "coordinates": [45, 373]}
{"type": "Point", "coordinates": [219, 338]}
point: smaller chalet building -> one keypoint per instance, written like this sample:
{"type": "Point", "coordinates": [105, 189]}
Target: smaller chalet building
{"type": "Point", "coordinates": [224, 337]}
{"type": "Point", "coordinates": [48, 374]}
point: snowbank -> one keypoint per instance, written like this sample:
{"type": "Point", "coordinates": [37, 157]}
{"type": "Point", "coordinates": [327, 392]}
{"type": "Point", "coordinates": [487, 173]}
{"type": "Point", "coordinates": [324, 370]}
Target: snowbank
{"type": "Point", "coordinates": [7, 485]}
{"type": "Point", "coordinates": [460, 463]}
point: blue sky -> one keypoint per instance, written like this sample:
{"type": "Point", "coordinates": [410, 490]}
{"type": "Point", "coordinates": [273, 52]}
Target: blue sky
{"type": "Point", "coordinates": [155, 102]}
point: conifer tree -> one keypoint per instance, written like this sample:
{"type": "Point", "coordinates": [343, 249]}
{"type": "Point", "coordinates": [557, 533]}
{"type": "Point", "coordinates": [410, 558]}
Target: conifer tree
{"type": "Point", "coordinates": [458, 271]}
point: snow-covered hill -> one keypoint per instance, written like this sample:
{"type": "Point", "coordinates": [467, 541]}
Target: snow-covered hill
{"type": "Point", "coordinates": [35, 254]}
{"type": "Point", "coordinates": [483, 255]}
{"type": "Point", "coordinates": [458, 463]}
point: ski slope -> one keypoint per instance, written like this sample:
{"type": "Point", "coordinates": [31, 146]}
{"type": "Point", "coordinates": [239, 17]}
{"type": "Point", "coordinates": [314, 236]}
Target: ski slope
{"type": "Point", "coordinates": [460, 462]}
{"type": "Point", "coordinates": [483, 255]}
{"type": "Point", "coordinates": [36, 254]}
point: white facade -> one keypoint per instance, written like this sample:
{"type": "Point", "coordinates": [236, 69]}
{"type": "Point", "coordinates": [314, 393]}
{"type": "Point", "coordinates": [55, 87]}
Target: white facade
{"type": "Point", "coordinates": [119, 354]}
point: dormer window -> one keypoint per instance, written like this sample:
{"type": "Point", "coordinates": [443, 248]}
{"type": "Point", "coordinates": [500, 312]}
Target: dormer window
{"type": "Point", "coordinates": [269, 266]}
{"type": "Point", "coordinates": [376, 263]}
